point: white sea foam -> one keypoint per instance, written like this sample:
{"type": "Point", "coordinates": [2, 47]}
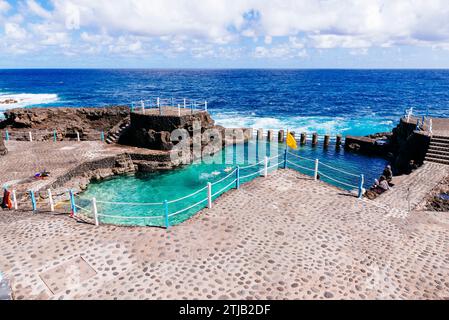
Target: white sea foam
{"type": "Point", "coordinates": [26, 99]}
{"type": "Point", "coordinates": [320, 124]}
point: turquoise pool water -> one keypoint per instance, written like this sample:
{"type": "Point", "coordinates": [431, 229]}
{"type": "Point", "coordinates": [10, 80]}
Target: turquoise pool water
{"type": "Point", "coordinates": [139, 199]}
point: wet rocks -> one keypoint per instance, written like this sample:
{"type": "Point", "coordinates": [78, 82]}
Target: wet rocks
{"type": "Point", "coordinates": [376, 144]}
{"type": "Point", "coordinates": [8, 101]}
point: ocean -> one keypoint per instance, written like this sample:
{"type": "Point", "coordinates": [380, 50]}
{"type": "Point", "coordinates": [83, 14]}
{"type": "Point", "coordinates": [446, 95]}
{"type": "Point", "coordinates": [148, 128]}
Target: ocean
{"type": "Point", "coordinates": [356, 102]}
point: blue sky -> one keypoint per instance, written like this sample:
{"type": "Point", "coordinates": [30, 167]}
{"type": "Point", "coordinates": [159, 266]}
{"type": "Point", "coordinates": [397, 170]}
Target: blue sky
{"type": "Point", "coordinates": [224, 34]}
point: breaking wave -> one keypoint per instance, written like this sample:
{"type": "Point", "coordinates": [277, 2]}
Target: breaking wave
{"type": "Point", "coordinates": [21, 100]}
{"type": "Point", "coordinates": [320, 124]}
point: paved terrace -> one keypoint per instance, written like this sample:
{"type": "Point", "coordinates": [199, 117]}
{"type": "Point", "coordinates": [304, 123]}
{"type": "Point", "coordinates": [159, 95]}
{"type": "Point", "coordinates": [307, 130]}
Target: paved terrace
{"type": "Point", "coordinates": [25, 159]}
{"type": "Point", "coordinates": [440, 126]}
{"type": "Point", "coordinates": [283, 237]}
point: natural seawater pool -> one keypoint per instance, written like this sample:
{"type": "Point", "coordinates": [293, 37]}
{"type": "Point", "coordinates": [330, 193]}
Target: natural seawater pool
{"type": "Point", "coordinates": [134, 195]}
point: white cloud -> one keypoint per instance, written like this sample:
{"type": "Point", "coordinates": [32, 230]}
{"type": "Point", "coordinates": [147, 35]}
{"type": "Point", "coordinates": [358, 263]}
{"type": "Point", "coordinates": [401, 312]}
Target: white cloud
{"type": "Point", "coordinates": [13, 31]}
{"type": "Point", "coordinates": [4, 6]}
{"type": "Point", "coordinates": [330, 41]}
{"type": "Point", "coordinates": [36, 9]}
{"type": "Point", "coordinates": [210, 28]}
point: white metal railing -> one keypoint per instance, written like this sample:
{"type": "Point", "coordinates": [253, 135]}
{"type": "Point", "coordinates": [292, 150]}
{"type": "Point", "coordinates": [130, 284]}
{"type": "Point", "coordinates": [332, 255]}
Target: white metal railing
{"type": "Point", "coordinates": [318, 173]}
{"type": "Point", "coordinates": [51, 135]}
{"type": "Point", "coordinates": [233, 178]}
{"type": "Point", "coordinates": [160, 103]}
{"type": "Point", "coordinates": [422, 120]}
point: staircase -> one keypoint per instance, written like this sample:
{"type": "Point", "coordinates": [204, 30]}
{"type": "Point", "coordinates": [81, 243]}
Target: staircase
{"type": "Point", "coordinates": [438, 150]}
{"type": "Point", "coordinates": [115, 134]}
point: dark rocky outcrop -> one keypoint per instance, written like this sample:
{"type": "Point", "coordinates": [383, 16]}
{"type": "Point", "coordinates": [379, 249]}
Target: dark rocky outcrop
{"type": "Point", "coordinates": [66, 121]}
{"type": "Point", "coordinates": [408, 145]}
{"type": "Point", "coordinates": [3, 149]}
{"type": "Point", "coordinates": [402, 146]}
{"type": "Point", "coordinates": [377, 144]}
{"type": "Point", "coordinates": [154, 131]}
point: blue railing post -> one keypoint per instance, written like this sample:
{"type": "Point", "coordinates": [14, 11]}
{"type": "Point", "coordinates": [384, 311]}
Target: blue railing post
{"type": "Point", "coordinates": [132, 106]}
{"type": "Point", "coordinates": [285, 158]}
{"type": "Point", "coordinates": [167, 224]}
{"type": "Point", "coordinates": [6, 135]}
{"type": "Point", "coordinates": [102, 136]}
{"type": "Point", "coordinates": [54, 136]}
{"type": "Point", "coordinates": [72, 203]}
{"type": "Point", "coordinates": [361, 183]}
{"type": "Point", "coordinates": [33, 201]}
{"type": "Point", "coordinates": [237, 181]}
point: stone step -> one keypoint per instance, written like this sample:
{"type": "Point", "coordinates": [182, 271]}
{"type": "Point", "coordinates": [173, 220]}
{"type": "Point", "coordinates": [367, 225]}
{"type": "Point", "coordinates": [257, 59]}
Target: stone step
{"type": "Point", "coordinates": [439, 140]}
{"type": "Point", "coordinates": [444, 152]}
{"type": "Point", "coordinates": [439, 148]}
{"type": "Point", "coordinates": [430, 159]}
{"type": "Point", "coordinates": [438, 156]}
{"type": "Point", "coordinates": [440, 137]}
{"type": "Point", "coordinates": [439, 144]}
{"type": "Point", "coordinates": [115, 136]}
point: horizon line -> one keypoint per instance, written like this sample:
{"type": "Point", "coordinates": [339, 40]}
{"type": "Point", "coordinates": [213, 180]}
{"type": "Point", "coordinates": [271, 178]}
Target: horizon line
{"type": "Point", "coordinates": [212, 68]}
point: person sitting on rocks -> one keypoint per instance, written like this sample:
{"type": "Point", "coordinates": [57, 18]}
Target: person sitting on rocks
{"type": "Point", "coordinates": [380, 186]}
{"type": "Point", "coordinates": [375, 184]}
{"type": "Point", "coordinates": [388, 173]}
{"type": "Point", "coordinates": [383, 184]}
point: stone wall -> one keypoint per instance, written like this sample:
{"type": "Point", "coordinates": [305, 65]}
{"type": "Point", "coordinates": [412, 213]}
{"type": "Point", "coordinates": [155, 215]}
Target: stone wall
{"type": "Point", "coordinates": [154, 131]}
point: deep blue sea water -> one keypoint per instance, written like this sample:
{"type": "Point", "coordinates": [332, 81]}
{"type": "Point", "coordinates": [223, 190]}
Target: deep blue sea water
{"type": "Point", "coordinates": [326, 101]}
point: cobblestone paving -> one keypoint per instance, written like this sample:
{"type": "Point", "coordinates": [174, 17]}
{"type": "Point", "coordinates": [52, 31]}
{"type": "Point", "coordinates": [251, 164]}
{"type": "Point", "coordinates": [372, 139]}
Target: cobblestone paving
{"type": "Point", "coordinates": [283, 237]}
{"type": "Point", "coordinates": [410, 190]}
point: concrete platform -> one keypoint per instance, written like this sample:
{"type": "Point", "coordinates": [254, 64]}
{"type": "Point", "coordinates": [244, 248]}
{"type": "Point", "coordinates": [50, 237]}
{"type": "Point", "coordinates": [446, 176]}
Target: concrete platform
{"type": "Point", "coordinates": [283, 237]}
{"type": "Point", "coordinates": [440, 126]}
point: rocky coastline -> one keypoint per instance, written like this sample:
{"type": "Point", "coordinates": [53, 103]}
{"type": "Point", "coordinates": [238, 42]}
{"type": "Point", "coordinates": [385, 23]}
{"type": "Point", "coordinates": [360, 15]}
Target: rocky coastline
{"type": "Point", "coordinates": [405, 147]}
{"type": "Point", "coordinates": [8, 101]}
{"type": "Point", "coordinates": [143, 141]}
{"type": "Point", "coordinates": [65, 121]}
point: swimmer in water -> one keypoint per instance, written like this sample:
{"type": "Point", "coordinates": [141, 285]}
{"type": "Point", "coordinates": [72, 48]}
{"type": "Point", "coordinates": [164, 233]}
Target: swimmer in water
{"type": "Point", "coordinates": [228, 170]}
